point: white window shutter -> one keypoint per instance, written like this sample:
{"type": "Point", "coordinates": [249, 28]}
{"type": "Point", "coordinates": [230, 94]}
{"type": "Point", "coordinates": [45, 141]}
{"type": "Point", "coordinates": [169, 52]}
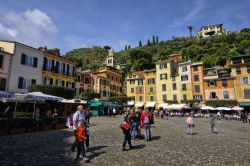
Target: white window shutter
{"type": "Point", "coordinates": [241, 80]}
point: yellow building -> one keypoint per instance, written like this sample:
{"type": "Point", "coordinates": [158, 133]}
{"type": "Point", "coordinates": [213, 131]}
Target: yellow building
{"type": "Point", "coordinates": [240, 66]}
{"type": "Point", "coordinates": [163, 81]}
{"type": "Point", "coordinates": [84, 82]}
{"type": "Point", "coordinates": [150, 88]}
{"type": "Point", "coordinates": [57, 70]}
{"type": "Point", "coordinates": [185, 81]}
{"type": "Point", "coordinates": [136, 88]}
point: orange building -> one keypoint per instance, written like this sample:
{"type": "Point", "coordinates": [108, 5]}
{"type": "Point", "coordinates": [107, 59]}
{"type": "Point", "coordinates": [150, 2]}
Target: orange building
{"type": "Point", "coordinates": [115, 79]}
{"type": "Point", "coordinates": [197, 81]}
{"type": "Point", "coordinates": [219, 84]}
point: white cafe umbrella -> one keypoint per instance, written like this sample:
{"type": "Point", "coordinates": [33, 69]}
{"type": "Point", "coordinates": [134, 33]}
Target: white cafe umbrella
{"type": "Point", "coordinates": [223, 108]}
{"type": "Point", "coordinates": [207, 108]}
{"type": "Point", "coordinates": [18, 97]}
{"type": "Point", "coordinates": [237, 108]}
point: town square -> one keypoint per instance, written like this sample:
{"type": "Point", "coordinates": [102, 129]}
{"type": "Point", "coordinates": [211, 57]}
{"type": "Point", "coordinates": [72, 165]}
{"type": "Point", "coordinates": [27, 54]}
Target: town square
{"type": "Point", "coordinates": [135, 82]}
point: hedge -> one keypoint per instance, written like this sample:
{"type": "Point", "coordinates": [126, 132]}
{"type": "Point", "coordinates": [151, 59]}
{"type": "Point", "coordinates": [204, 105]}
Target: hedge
{"type": "Point", "coordinates": [221, 103]}
{"type": "Point", "coordinates": [53, 90]}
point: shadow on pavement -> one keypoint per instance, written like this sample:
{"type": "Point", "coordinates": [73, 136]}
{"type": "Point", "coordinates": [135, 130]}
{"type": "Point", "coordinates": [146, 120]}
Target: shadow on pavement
{"type": "Point", "coordinates": [141, 146]}
{"type": "Point", "coordinates": [155, 138]}
{"type": "Point", "coordinates": [95, 154]}
{"type": "Point", "coordinates": [94, 148]}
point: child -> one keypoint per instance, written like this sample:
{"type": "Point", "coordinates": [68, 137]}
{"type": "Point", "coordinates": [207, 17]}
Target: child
{"type": "Point", "coordinates": [81, 137]}
{"type": "Point", "coordinates": [125, 126]}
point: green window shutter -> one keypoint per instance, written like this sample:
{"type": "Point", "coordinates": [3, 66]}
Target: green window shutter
{"type": "Point", "coordinates": [23, 59]}
{"type": "Point", "coordinates": [20, 83]}
{"type": "Point", "coordinates": [33, 81]}
{"type": "Point", "coordinates": [63, 83]}
{"type": "Point", "coordinates": [35, 62]}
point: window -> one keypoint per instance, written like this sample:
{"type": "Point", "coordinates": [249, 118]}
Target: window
{"type": "Point", "coordinates": [197, 97]}
{"type": "Point", "coordinates": [244, 80]}
{"type": "Point", "coordinates": [196, 77]}
{"type": "Point", "coordinates": [212, 95]}
{"type": "Point", "coordinates": [163, 76]}
{"type": "Point", "coordinates": [184, 69]}
{"type": "Point", "coordinates": [132, 81]}
{"type": "Point", "coordinates": [174, 86]}
{"type": "Point", "coordinates": [173, 79]}
{"type": "Point", "coordinates": [163, 66]}
{"type": "Point", "coordinates": [140, 89]}
{"type": "Point", "coordinates": [151, 81]}
{"type": "Point", "coordinates": [238, 70]}
{"type": "Point", "coordinates": [195, 68]}
{"type": "Point", "coordinates": [164, 97]}
{"type": "Point", "coordinates": [164, 88]}
{"type": "Point", "coordinates": [24, 83]}
{"type": "Point", "coordinates": [151, 89]}
{"type": "Point", "coordinates": [29, 60]}
{"type": "Point", "coordinates": [247, 93]}
{"type": "Point", "coordinates": [184, 78]}
{"type": "Point", "coordinates": [197, 88]}
{"type": "Point", "coordinates": [140, 98]}
{"type": "Point", "coordinates": [78, 78]}
{"type": "Point", "coordinates": [1, 61]}
{"type": "Point", "coordinates": [151, 98]}
{"type": "Point", "coordinates": [184, 87]}
{"type": "Point", "coordinates": [46, 81]}
{"type": "Point", "coordinates": [226, 94]}
{"type": "Point", "coordinates": [174, 97]}
{"type": "Point", "coordinates": [248, 69]}
{"type": "Point", "coordinates": [132, 90]}
{"type": "Point", "coordinates": [224, 83]}
{"type": "Point", "coordinates": [184, 97]}
{"type": "Point", "coordinates": [140, 82]}
{"type": "Point", "coordinates": [212, 83]}
{"type": "Point", "coordinates": [2, 84]}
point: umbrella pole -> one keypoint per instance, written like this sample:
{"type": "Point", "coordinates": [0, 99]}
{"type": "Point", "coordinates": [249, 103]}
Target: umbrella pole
{"type": "Point", "coordinates": [34, 109]}
{"type": "Point", "coordinates": [15, 110]}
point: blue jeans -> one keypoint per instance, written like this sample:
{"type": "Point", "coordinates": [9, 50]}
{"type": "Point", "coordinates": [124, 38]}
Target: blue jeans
{"type": "Point", "coordinates": [133, 131]}
{"type": "Point", "coordinates": [147, 132]}
{"type": "Point", "coordinates": [81, 149]}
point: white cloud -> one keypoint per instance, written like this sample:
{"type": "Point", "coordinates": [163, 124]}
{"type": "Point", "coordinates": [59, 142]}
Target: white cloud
{"type": "Point", "coordinates": [32, 27]}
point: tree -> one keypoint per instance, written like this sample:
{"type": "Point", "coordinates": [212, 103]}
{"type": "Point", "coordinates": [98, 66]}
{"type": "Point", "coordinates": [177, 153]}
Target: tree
{"type": "Point", "coordinates": [157, 40]}
{"type": "Point", "coordinates": [140, 44]}
{"type": "Point", "coordinates": [129, 47]}
{"type": "Point", "coordinates": [153, 39]}
{"type": "Point", "coordinates": [126, 47]}
{"type": "Point", "coordinates": [107, 47]}
{"type": "Point", "coordinates": [190, 28]}
{"type": "Point", "coordinates": [148, 44]}
{"type": "Point", "coordinates": [140, 60]}
{"type": "Point", "coordinates": [89, 95]}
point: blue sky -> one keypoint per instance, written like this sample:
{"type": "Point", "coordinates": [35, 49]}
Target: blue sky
{"type": "Point", "coordinates": [69, 24]}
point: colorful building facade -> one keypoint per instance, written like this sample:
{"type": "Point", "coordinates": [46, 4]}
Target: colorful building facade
{"type": "Point", "coordinates": [102, 86]}
{"type": "Point", "coordinates": [115, 78]}
{"type": "Point", "coordinates": [84, 82]}
{"type": "Point", "coordinates": [5, 69]}
{"type": "Point", "coordinates": [240, 66]}
{"type": "Point", "coordinates": [197, 81]}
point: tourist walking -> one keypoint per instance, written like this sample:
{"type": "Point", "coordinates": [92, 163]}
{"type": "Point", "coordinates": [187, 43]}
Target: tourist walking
{"type": "Point", "coordinates": [145, 121]}
{"type": "Point", "coordinates": [125, 126]}
{"type": "Point", "coordinates": [189, 124]}
{"type": "Point", "coordinates": [212, 124]}
{"type": "Point", "coordinates": [81, 137]}
{"type": "Point", "coordinates": [114, 112]}
{"type": "Point", "coordinates": [77, 119]}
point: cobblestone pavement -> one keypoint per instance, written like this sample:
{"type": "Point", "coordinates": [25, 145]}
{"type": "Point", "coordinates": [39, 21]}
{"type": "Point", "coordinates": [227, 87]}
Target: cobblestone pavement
{"type": "Point", "coordinates": [170, 145]}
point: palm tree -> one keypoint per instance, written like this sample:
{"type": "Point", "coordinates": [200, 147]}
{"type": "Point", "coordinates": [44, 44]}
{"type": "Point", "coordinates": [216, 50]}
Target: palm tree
{"type": "Point", "coordinates": [190, 28]}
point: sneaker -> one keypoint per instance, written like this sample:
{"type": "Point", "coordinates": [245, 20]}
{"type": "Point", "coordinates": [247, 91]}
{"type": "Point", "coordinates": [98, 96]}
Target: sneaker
{"type": "Point", "coordinates": [78, 158]}
{"type": "Point", "coordinates": [86, 159]}
{"type": "Point", "coordinates": [123, 149]}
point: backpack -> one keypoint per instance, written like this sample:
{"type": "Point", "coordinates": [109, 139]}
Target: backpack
{"type": "Point", "coordinates": [146, 120]}
{"type": "Point", "coordinates": [125, 126]}
{"type": "Point", "coordinates": [71, 120]}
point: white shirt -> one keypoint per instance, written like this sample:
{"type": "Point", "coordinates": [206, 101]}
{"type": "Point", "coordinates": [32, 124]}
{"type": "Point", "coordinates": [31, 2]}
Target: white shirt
{"type": "Point", "coordinates": [78, 118]}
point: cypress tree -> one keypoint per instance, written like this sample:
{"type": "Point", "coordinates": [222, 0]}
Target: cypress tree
{"type": "Point", "coordinates": [153, 39]}
{"type": "Point", "coordinates": [157, 40]}
{"type": "Point", "coordinates": [140, 44]}
{"type": "Point", "coordinates": [129, 46]}
{"type": "Point", "coordinates": [126, 47]}
{"type": "Point", "coordinates": [148, 42]}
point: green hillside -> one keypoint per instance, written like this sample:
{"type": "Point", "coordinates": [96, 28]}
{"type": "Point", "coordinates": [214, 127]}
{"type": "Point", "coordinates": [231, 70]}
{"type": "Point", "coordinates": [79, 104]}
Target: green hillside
{"type": "Point", "coordinates": [214, 50]}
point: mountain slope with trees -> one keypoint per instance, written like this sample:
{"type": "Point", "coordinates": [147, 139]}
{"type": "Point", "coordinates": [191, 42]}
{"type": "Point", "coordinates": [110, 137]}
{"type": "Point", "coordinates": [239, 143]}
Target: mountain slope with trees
{"type": "Point", "coordinates": [214, 50]}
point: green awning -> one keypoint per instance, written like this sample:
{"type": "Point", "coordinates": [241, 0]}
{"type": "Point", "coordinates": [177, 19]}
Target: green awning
{"type": "Point", "coordinates": [110, 104]}
{"type": "Point", "coordinates": [95, 103]}
{"type": "Point", "coordinates": [244, 104]}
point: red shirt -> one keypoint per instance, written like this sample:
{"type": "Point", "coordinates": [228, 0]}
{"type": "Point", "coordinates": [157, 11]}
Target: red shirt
{"type": "Point", "coordinates": [143, 117]}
